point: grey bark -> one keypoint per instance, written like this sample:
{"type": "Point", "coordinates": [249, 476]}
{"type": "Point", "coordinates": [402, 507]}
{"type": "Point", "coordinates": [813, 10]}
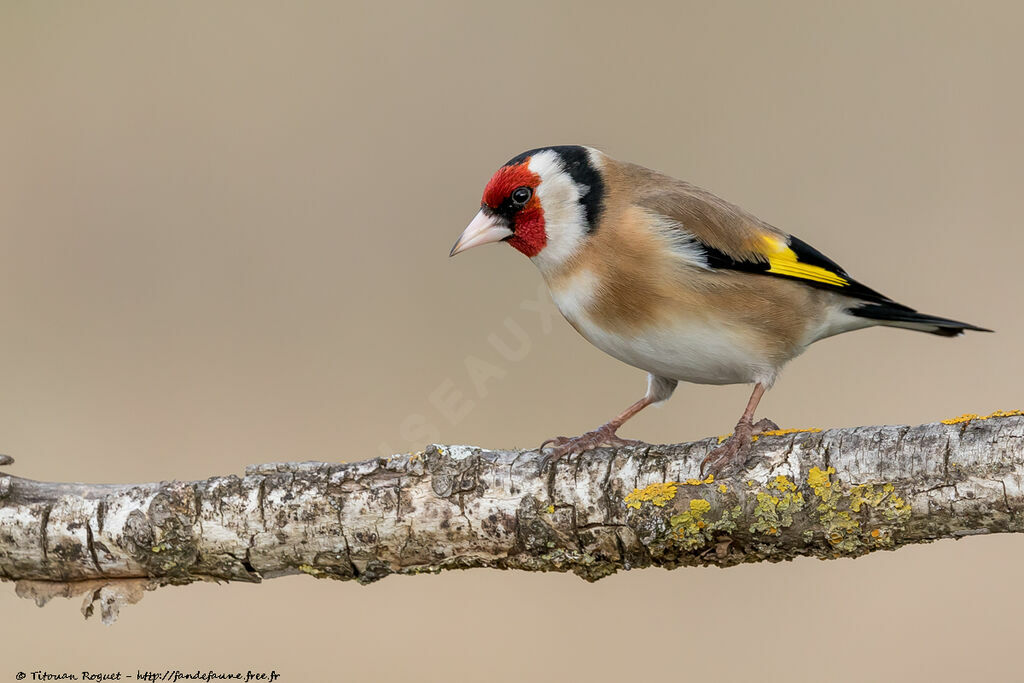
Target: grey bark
{"type": "Point", "coordinates": [836, 493]}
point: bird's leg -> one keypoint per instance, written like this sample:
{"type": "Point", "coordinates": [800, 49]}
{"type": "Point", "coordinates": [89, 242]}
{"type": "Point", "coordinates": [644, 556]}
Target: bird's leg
{"type": "Point", "coordinates": [737, 445]}
{"type": "Point", "coordinates": [602, 436]}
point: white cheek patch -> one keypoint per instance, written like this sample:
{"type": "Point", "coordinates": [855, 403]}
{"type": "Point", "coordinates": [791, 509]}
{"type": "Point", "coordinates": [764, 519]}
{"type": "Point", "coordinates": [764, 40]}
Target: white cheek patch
{"type": "Point", "coordinates": [564, 217]}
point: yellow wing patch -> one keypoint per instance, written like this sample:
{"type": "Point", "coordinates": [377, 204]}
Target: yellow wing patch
{"type": "Point", "coordinates": [783, 261]}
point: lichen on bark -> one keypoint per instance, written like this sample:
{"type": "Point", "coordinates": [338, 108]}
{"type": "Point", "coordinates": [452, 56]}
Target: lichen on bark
{"type": "Point", "coordinates": [824, 494]}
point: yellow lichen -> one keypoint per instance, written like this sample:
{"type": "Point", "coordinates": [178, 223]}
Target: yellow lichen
{"type": "Point", "coordinates": [691, 528]}
{"type": "Point", "coordinates": [551, 509]}
{"type": "Point", "coordinates": [775, 512]}
{"type": "Point", "coordinates": [310, 569]}
{"type": "Point", "coordinates": [783, 432]}
{"type": "Point", "coordinates": [660, 494]}
{"type": "Point", "coordinates": [722, 488]}
{"type": "Point", "coordinates": [699, 506]}
{"type": "Point", "coordinates": [968, 417]}
{"type": "Point", "coordinates": [836, 510]}
{"type": "Point", "coordinates": [818, 480]}
{"type": "Point", "coordinates": [783, 483]}
{"type": "Point", "coordinates": [865, 493]}
{"type": "Point", "coordinates": [838, 524]}
{"type": "Point", "coordinates": [656, 494]}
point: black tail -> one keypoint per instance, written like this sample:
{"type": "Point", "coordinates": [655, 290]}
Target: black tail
{"type": "Point", "coordinates": [898, 315]}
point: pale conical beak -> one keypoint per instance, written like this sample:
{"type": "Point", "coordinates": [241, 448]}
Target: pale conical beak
{"type": "Point", "coordinates": [483, 229]}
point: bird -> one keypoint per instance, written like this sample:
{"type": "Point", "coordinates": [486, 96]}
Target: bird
{"type": "Point", "coordinates": [675, 281]}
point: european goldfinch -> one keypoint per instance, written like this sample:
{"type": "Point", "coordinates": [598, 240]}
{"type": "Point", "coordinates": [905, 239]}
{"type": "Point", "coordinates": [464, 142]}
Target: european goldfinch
{"type": "Point", "coordinates": [673, 280]}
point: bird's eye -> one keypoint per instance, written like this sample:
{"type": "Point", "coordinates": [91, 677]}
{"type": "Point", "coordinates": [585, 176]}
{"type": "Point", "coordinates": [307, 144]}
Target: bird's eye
{"type": "Point", "coordinates": [521, 195]}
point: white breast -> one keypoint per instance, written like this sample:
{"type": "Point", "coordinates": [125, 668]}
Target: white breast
{"type": "Point", "coordinates": [695, 350]}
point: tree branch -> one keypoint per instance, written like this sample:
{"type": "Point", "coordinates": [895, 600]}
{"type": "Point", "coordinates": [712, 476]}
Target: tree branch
{"type": "Point", "coordinates": [825, 494]}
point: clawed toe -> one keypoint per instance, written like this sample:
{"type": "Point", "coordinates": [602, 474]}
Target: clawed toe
{"type": "Point", "coordinates": [562, 446]}
{"type": "Point", "coordinates": [555, 441]}
{"type": "Point", "coordinates": [719, 458]}
{"type": "Point", "coordinates": [735, 448]}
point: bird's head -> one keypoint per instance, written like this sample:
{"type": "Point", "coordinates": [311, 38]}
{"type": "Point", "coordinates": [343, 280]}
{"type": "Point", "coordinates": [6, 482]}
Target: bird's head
{"type": "Point", "coordinates": [543, 202]}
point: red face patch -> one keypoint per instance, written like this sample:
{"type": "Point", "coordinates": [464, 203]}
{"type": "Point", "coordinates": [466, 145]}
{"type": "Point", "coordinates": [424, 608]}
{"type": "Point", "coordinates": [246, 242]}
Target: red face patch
{"type": "Point", "coordinates": [528, 222]}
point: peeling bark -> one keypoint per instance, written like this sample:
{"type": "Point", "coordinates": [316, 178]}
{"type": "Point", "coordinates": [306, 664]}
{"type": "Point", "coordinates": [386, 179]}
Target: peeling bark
{"type": "Point", "coordinates": [829, 494]}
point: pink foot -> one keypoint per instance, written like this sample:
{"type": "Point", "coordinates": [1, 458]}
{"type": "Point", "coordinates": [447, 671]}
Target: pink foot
{"type": "Point", "coordinates": [602, 436]}
{"type": "Point", "coordinates": [735, 448]}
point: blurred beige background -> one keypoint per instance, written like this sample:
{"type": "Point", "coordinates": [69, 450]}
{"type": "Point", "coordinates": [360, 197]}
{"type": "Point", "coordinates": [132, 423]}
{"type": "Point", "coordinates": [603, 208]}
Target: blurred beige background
{"type": "Point", "coordinates": [224, 231]}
